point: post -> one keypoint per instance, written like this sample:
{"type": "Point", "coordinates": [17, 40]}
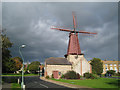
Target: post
{"type": "Point", "coordinates": [22, 83]}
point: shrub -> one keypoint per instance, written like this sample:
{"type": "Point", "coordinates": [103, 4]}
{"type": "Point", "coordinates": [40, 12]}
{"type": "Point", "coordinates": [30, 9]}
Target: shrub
{"type": "Point", "coordinates": [112, 72]}
{"type": "Point", "coordinates": [52, 76]}
{"type": "Point", "coordinates": [88, 75]}
{"type": "Point", "coordinates": [63, 76]}
{"type": "Point", "coordinates": [71, 75]}
{"type": "Point", "coordinates": [117, 74]}
{"type": "Point", "coordinates": [47, 77]}
{"type": "Point", "coordinates": [94, 76]}
{"type": "Point", "coordinates": [78, 76]}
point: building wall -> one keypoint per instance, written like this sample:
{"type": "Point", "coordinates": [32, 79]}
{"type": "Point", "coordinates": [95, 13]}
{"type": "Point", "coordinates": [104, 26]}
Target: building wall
{"type": "Point", "coordinates": [79, 64]}
{"type": "Point", "coordinates": [110, 65]}
{"type": "Point", "coordinates": [60, 68]}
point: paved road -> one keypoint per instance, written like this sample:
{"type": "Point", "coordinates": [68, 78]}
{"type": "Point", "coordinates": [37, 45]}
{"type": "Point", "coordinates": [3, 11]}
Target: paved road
{"type": "Point", "coordinates": [35, 82]}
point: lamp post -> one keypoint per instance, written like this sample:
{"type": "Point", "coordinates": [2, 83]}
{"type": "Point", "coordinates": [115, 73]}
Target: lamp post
{"type": "Point", "coordinates": [22, 83]}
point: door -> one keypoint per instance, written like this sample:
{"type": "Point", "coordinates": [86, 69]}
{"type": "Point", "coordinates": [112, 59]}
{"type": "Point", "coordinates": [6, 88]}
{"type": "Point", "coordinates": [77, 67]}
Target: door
{"type": "Point", "coordinates": [55, 74]}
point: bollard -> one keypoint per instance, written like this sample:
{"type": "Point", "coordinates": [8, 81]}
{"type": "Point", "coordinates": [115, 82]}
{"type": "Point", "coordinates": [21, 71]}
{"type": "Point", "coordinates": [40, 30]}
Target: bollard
{"type": "Point", "coordinates": [18, 81]}
{"type": "Point", "coordinates": [23, 87]}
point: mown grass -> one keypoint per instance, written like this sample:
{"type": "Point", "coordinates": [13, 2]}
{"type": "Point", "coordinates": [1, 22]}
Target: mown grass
{"type": "Point", "coordinates": [12, 74]}
{"type": "Point", "coordinates": [94, 83]}
{"type": "Point", "coordinates": [15, 86]}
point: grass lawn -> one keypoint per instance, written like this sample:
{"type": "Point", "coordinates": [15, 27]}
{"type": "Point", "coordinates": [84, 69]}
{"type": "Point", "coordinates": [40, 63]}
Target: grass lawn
{"type": "Point", "coordinates": [16, 86]}
{"type": "Point", "coordinates": [94, 83]}
{"type": "Point", "coordinates": [115, 76]}
{"type": "Point", "coordinates": [19, 74]}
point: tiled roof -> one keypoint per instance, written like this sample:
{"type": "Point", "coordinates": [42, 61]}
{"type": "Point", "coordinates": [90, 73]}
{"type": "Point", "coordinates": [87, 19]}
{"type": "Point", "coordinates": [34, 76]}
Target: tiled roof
{"type": "Point", "coordinates": [57, 61]}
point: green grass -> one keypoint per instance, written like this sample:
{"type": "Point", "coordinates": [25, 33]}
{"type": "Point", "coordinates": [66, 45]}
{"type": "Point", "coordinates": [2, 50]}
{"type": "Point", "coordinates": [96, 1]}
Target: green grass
{"type": "Point", "coordinates": [15, 86]}
{"type": "Point", "coordinates": [115, 76]}
{"type": "Point", "coordinates": [19, 74]}
{"type": "Point", "coordinates": [93, 83]}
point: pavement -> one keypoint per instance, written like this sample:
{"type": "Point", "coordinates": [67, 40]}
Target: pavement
{"type": "Point", "coordinates": [6, 86]}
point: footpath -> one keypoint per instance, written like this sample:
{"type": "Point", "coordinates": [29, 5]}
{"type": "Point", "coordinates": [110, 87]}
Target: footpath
{"type": "Point", "coordinates": [6, 85]}
{"type": "Point", "coordinates": [67, 84]}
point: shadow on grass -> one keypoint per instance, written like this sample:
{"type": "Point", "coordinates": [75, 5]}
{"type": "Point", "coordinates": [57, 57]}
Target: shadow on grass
{"type": "Point", "coordinates": [115, 83]}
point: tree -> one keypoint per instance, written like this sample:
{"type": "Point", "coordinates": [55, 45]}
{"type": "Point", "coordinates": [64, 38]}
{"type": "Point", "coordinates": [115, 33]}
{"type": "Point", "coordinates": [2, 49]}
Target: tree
{"type": "Point", "coordinates": [97, 66]}
{"type": "Point", "coordinates": [34, 66]}
{"type": "Point", "coordinates": [10, 66]}
{"type": "Point", "coordinates": [18, 63]}
{"type": "Point", "coordinates": [6, 44]}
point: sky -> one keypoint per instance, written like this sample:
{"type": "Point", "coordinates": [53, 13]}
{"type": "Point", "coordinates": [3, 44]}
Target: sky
{"type": "Point", "coordinates": [30, 23]}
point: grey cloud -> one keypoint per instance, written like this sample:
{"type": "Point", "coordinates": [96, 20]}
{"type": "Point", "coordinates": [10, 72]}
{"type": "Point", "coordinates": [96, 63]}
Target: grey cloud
{"type": "Point", "coordinates": [30, 23]}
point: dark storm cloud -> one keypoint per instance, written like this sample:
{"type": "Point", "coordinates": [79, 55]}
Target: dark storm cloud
{"type": "Point", "coordinates": [30, 23]}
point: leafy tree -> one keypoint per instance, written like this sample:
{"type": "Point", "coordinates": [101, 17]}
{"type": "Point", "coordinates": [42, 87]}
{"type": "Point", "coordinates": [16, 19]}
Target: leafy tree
{"type": "Point", "coordinates": [10, 66]}
{"type": "Point", "coordinates": [33, 67]}
{"type": "Point", "coordinates": [18, 63]}
{"type": "Point", "coordinates": [97, 66]}
{"type": "Point", "coordinates": [6, 44]}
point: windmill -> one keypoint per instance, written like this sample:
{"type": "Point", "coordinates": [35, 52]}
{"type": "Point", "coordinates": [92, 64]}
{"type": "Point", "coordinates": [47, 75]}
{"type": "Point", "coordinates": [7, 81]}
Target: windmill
{"type": "Point", "coordinates": [73, 46]}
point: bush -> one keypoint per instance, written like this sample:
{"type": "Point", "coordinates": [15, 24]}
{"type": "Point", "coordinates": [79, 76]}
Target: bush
{"type": "Point", "coordinates": [52, 76]}
{"type": "Point", "coordinates": [26, 72]}
{"type": "Point", "coordinates": [47, 77]}
{"type": "Point", "coordinates": [112, 72]}
{"type": "Point", "coordinates": [78, 76]}
{"type": "Point", "coordinates": [71, 75]}
{"type": "Point", "coordinates": [88, 75]}
{"type": "Point", "coordinates": [118, 74]}
{"type": "Point", "coordinates": [62, 76]}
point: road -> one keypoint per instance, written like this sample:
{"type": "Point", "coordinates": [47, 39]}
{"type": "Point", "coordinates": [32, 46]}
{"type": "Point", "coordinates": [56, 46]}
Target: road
{"type": "Point", "coordinates": [36, 82]}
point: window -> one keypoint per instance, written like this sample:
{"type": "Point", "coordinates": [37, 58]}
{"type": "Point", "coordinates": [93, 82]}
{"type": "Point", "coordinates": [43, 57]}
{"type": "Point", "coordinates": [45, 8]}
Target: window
{"type": "Point", "coordinates": [111, 68]}
{"type": "Point", "coordinates": [116, 71]}
{"type": "Point", "coordinates": [114, 64]}
{"type": "Point", "coordinates": [105, 64]}
{"type": "Point", "coordinates": [119, 64]}
{"type": "Point", "coordinates": [59, 73]}
{"type": "Point", "coordinates": [110, 64]}
{"type": "Point", "coordinates": [115, 68]}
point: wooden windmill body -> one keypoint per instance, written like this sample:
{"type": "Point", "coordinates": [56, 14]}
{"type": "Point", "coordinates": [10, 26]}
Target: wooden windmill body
{"type": "Point", "coordinates": [74, 55]}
